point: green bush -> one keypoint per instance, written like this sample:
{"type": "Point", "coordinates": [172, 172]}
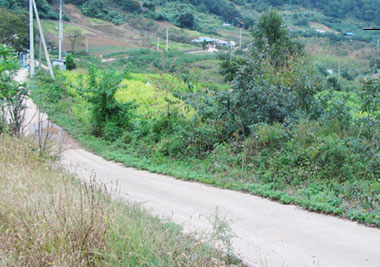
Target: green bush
{"type": "Point", "coordinates": [265, 135]}
{"type": "Point", "coordinates": [110, 118]}
{"type": "Point", "coordinates": [70, 64]}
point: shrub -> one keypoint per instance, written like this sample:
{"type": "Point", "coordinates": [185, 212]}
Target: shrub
{"type": "Point", "coordinates": [70, 64]}
{"type": "Point", "coordinates": [186, 20]}
{"type": "Point", "coordinates": [306, 132]}
{"type": "Point", "coordinates": [265, 136]}
{"type": "Point", "coordinates": [334, 84]}
{"type": "Point", "coordinates": [108, 114]}
{"type": "Point", "coordinates": [336, 116]}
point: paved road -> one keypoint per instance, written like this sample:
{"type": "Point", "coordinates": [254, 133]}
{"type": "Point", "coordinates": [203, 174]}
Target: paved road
{"type": "Point", "coordinates": [268, 233]}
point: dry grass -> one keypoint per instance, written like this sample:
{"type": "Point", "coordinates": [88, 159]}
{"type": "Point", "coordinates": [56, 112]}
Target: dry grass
{"type": "Point", "coordinates": [47, 217]}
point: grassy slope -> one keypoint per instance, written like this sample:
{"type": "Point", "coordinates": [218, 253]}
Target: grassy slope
{"type": "Point", "coordinates": [50, 218]}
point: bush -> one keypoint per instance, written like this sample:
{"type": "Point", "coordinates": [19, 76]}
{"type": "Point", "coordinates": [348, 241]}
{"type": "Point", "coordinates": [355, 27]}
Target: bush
{"type": "Point", "coordinates": [306, 132]}
{"type": "Point", "coordinates": [265, 136]}
{"type": "Point", "coordinates": [273, 82]}
{"type": "Point", "coordinates": [110, 118]}
{"type": "Point", "coordinates": [186, 20]}
{"type": "Point", "coordinates": [336, 116]}
{"type": "Point", "coordinates": [70, 64]}
{"type": "Point", "coordinates": [334, 84]}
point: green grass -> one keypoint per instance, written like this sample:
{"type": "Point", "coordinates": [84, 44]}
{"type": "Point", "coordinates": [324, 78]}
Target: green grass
{"type": "Point", "coordinates": [51, 26]}
{"type": "Point", "coordinates": [174, 46]}
{"type": "Point", "coordinates": [49, 217]}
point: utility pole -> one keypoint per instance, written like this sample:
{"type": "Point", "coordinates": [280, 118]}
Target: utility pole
{"type": "Point", "coordinates": [86, 45]}
{"type": "Point", "coordinates": [60, 31]}
{"type": "Point", "coordinates": [31, 38]}
{"type": "Point", "coordinates": [43, 40]}
{"type": "Point", "coordinates": [338, 71]}
{"type": "Point", "coordinates": [167, 39]}
{"type": "Point", "coordinates": [39, 55]}
{"type": "Point", "coordinates": [158, 42]}
{"type": "Point", "coordinates": [241, 33]}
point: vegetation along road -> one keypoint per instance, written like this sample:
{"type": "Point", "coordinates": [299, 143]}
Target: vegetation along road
{"type": "Point", "coordinates": [267, 233]}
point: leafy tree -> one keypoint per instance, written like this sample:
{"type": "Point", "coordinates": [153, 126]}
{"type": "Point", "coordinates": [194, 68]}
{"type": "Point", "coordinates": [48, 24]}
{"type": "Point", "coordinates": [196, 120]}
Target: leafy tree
{"type": "Point", "coordinates": [76, 38]}
{"type": "Point", "coordinates": [19, 6]}
{"type": "Point", "coordinates": [95, 9]}
{"type": "Point", "coordinates": [98, 9]}
{"type": "Point", "coordinates": [334, 83]}
{"type": "Point", "coordinates": [110, 118]}
{"type": "Point", "coordinates": [13, 32]}
{"type": "Point", "coordinates": [130, 5]}
{"type": "Point", "coordinates": [272, 40]}
{"type": "Point", "coordinates": [12, 93]}
{"type": "Point", "coordinates": [150, 6]}
{"type": "Point", "coordinates": [273, 82]}
{"type": "Point", "coordinates": [186, 20]}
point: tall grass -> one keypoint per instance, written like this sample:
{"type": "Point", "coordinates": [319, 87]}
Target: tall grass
{"type": "Point", "coordinates": [48, 217]}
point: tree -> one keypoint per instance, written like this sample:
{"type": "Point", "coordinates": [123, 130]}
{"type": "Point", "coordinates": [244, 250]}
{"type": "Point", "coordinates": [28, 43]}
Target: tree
{"type": "Point", "coordinates": [109, 117]}
{"type": "Point", "coordinates": [76, 39]}
{"type": "Point", "coordinates": [186, 20]}
{"type": "Point", "coordinates": [13, 31]}
{"type": "Point", "coordinates": [271, 83]}
{"type": "Point", "coordinates": [271, 38]}
{"type": "Point", "coordinates": [12, 93]}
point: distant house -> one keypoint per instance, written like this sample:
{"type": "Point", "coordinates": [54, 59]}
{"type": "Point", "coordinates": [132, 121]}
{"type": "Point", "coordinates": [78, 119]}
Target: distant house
{"type": "Point", "coordinates": [320, 31]}
{"type": "Point", "coordinates": [219, 42]}
{"type": "Point", "coordinates": [226, 25]}
{"type": "Point", "coordinates": [60, 63]}
{"type": "Point", "coordinates": [348, 34]}
{"type": "Point", "coordinates": [201, 40]}
{"type": "Point", "coordinates": [211, 41]}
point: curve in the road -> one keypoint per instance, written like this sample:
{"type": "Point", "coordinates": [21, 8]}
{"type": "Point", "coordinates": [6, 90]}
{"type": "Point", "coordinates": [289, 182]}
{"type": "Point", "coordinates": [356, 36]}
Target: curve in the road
{"type": "Point", "coordinates": [268, 233]}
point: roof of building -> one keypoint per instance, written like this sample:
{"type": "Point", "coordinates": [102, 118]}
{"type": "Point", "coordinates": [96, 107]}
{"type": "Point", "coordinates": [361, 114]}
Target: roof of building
{"type": "Point", "coordinates": [203, 39]}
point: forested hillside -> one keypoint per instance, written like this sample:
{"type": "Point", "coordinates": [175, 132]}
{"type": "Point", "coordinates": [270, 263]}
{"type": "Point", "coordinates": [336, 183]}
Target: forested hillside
{"type": "Point", "coordinates": [362, 9]}
{"type": "Point", "coordinates": [184, 13]}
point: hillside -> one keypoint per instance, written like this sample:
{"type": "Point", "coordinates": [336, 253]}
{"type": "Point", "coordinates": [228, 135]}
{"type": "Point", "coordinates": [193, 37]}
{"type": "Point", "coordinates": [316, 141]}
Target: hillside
{"type": "Point", "coordinates": [111, 26]}
{"type": "Point", "coordinates": [206, 16]}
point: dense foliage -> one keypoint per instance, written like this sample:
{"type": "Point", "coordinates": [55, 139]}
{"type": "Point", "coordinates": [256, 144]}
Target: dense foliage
{"type": "Point", "coordinates": [13, 32]}
{"type": "Point", "coordinates": [108, 116]}
{"type": "Point", "coordinates": [272, 83]}
{"type": "Point", "coordinates": [363, 9]}
{"type": "Point", "coordinates": [280, 128]}
{"type": "Point", "coordinates": [12, 93]}
{"type": "Point", "coordinates": [69, 60]}
{"type": "Point", "coordinates": [44, 8]}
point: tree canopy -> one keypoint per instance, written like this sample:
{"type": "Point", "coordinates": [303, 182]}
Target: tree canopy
{"type": "Point", "coordinates": [272, 82]}
{"type": "Point", "coordinates": [13, 32]}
